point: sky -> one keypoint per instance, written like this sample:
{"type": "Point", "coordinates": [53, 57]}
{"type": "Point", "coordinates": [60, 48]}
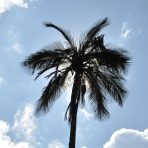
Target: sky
{"type": "Point", "coordinates": [22, 32]}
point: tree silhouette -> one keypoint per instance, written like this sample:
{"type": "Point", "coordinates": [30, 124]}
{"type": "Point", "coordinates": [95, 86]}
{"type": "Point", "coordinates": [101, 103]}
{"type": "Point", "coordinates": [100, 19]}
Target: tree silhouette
{"type": "Point", "coordinates": [93, 66]}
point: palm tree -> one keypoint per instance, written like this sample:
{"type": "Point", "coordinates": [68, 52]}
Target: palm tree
{"type": "Point", "coordinates": [93, 66]}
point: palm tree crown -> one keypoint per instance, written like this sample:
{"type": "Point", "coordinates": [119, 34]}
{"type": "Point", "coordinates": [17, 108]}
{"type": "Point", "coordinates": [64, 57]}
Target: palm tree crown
{"type": "Point", "coordinates": [94, 67]}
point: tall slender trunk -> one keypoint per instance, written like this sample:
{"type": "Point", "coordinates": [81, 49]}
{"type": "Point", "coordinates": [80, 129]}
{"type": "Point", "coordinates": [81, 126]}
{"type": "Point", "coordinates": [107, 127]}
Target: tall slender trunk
{"type": "Point", "coordinates": [74, 105]}
{"type": "Point", "coordinates": [73, 128]}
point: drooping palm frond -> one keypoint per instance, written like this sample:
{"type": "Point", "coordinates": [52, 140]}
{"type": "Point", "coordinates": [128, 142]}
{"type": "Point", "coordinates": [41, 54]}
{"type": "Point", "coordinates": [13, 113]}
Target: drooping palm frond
{"type": "Point", "coordinates": [65, 33]}
{"type": "Point", "coordinates": [75, 96]}
{"type": "Point", "coordinates": [41, 59]}
{"type": "Point", "coordinates": [47, 58]}
{"type": "Point", "coordinates": [112, 82]}
{"type": "Point", "coordinates": [111, 58]}
{"type": "Point", "coordinates": [82, 94]}
{"type": "Point", "coordinates": [96, 97]}
{"type": "Point", "coordinates": [51, 93]}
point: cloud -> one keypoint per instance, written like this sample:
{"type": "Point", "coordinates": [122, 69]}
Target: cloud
{"type": "Point", "coordinates": [5, 140]}
{"type": "Point", "coordinates": [24, 126]}
{"type": "Point", "coordinates": [125, 31]}
{"type": "Point", "coordinates": [6, 5]}
{"type": "Point", "coordinates": [56, 144]}
{"type": "Point", "coordinates": [2, 81]}
{"type": "Point", "coordinates": [87, 116]}
{"type": "Point", "coordinates": [128, 138]}
{"type": "Point", "coordinates": [16, 46]}
{"type": "Point", "coordinates": [24, 123]}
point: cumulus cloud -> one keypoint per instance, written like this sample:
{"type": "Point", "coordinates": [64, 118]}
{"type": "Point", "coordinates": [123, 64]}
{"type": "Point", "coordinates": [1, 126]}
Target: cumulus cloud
{"type": "Point", "coordinates": [56, 144]}
{"type": "Point", "coordinates": [128, 138]}
{"type": "Point", "coordinates": [6, 5]}
{"type": "Point", "coordinates": [24, 123]}
{"type": "Point", "coordinates": [125, 30]}
{"type": "Point", "coordinates": [24, 126]}
{"type": "Point", "coordinates": [5, 140]}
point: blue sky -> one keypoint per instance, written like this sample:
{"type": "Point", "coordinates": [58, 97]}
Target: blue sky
{"type": "Point", "coordinates": [22, 33]}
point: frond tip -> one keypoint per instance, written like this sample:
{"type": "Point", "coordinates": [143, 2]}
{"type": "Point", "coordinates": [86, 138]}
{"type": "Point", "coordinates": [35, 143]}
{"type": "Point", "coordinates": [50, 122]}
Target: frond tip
{"type": "Point", "coordinates": [97, 28]}
{"type": "Point", "coordinates": [65, 33]}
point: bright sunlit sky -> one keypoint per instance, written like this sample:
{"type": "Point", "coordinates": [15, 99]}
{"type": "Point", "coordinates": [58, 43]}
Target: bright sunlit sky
{"type": "Point", "coordinates": [22, 32]}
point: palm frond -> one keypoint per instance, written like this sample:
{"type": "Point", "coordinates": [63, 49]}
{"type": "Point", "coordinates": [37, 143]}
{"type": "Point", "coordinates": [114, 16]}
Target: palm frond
{"type": "Point", "coordinates": [65, 33]}
{"type": "Point", "coordinates": [115, 59]}
{"type": "Point", "coordinates": [92, 33]}
{"type": "Point", "coordinates": [50, 93]}
{"type": "Point", "coordinates": [97, 98]}
{"type": "Point", "coordinates": [75, 98]}
{"type": "Point", "coordinates": [113, 83]}
{"type": "Point", "coordinates": [47, 58]}
{"type": "Point", "coordinates": [82, 93]}
{"type": "Point", "coordinates": [40, 60]}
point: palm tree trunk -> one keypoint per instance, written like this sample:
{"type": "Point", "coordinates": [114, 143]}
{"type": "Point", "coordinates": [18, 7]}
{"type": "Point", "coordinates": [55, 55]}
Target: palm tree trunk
{"type": "Point", "coordinates": [73, 128]}
{"type": "Point", "coordinates": [74, 105]}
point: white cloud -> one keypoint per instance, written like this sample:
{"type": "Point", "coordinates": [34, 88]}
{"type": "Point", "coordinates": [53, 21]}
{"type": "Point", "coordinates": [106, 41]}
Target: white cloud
{"type": "Point", "coordinates": [87, 116]}
{"type": "Point", "coordinates": [56, 144]}
{"type": "Point", "coordinates": [125, 31]}
{"type": "Point", "coordinates": [24, 126]}
{"type": "Point", "coordinates": [6, 5]}
{"type": "Point", "coordinates": [24, 123]}
{"type": "Point", "coordinates": [128, 138]}
{"type": "Point", "coordinates": [16, 46]}
{"type": "Point", "coordinates": [2, 81]}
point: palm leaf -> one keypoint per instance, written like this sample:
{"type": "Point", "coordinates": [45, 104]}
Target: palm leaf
{"type": "Point", "coordinates": [92, 33]}
{"type": "Point", "coordinates": [96, 97]}
{"type": "Point", "coordinates": [97, 28]}
{"type": "Point", "coordinates": [50, 93]}
{"type": "Point", "coordinates": [114, 59]}
{"type": "Point", "coordinates": [65, 33]}
{"type": "Point", "coordinates": [113, 83]}
{"type": "Point", "coordinates": [47, 58]}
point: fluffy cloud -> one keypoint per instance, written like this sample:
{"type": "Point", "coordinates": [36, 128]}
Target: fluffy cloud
{"type": "Point", "coordinates": [24, 126]}
{"type": "Point", "coordinates": [24, 123]}
{"type": "Point", "coordinates": [125, 31]}
{"type": "Point", "coordinates": [56, 144]}
{"type": "Point", "coordinates": [128, 138]}
{"type": "Point", "coordinates": [7, 4]}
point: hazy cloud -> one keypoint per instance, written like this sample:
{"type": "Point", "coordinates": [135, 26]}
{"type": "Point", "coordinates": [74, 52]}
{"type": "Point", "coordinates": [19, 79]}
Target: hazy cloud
{"type": "Point", "coordinates": [56, 144]}
{"type": "Point", "coordinates": [87, 116]}
{"type": "Point", "coordinates": [7, 4]}
{"type": "Point", "coordinates": [16, 46]}
{"type": "Point", "coordinates": [128, 138]}
{"type": "Point", "coordinates": [125, 30]}
{"type": "Point", "coordinates": [2, 81]}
